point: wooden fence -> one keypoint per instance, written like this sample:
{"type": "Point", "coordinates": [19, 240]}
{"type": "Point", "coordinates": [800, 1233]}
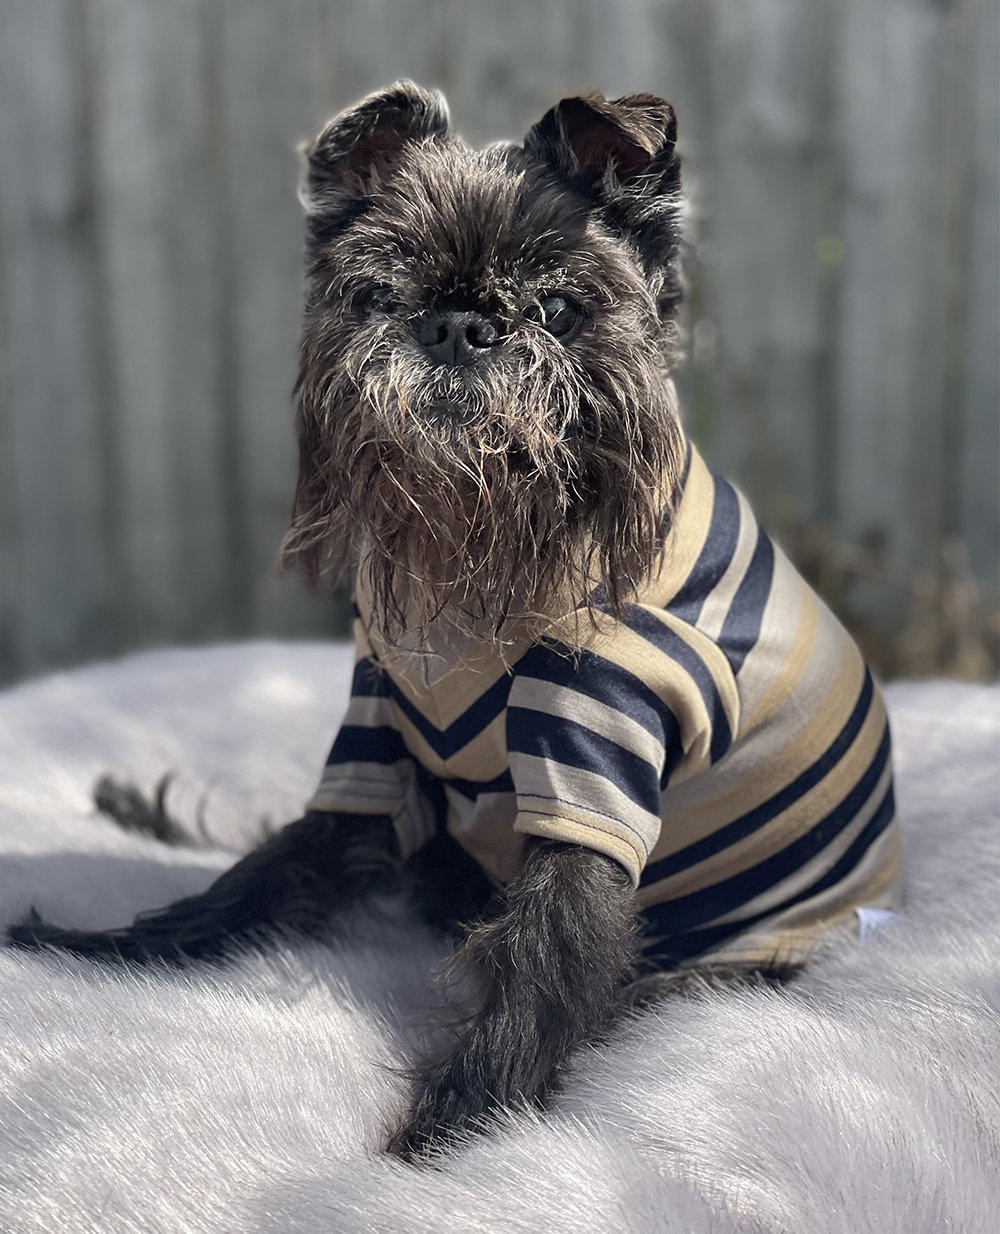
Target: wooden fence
{"type": "Point", "coordinates": [842, 162]}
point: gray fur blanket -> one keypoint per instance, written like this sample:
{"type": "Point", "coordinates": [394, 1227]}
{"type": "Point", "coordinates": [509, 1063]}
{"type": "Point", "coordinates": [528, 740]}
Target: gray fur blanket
{"type": "Point", "coordinates": [254, 1098]}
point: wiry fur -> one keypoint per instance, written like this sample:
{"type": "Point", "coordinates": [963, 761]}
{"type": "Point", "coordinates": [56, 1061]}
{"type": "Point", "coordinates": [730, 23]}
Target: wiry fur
{"type": "Point", "coordinates": [550, 965]}
{"type": "Point", "coordinates": [532, 473]}
{"type": "Point", "coordinates": [541, 471]}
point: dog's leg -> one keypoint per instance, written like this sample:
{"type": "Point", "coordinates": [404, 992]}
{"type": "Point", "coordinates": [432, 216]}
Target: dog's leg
{"type": "Point", "coordinates": [549, 968]}
{"type": "Point", "coordinates": [296, 880]}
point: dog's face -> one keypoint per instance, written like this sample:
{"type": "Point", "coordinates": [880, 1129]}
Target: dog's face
{"type": "Point", "coordinates": [484, 403]}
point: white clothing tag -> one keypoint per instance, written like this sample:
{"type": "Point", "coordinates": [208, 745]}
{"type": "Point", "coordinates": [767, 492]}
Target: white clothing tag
{"type": "Point", "coordinates": [871, 920]}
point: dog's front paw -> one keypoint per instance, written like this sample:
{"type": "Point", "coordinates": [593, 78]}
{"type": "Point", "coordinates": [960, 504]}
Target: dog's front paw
{"type": "Point", "coordinates": [450, 1107]}
{"type": "Point", "coordinates": [35, 934]}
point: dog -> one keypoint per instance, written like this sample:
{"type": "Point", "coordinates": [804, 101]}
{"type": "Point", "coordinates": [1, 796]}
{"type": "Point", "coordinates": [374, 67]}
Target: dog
{"type": "Point", "coordinates": [597, 721]}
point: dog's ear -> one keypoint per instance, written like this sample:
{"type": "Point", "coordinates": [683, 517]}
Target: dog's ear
{"type": "Point", "coordinates": [361, 146]}
{"type": "Point", "coordinates": [620, 154]}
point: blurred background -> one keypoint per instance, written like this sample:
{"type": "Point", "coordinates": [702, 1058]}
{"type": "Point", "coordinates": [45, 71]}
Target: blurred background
{"type": "Point", "coordinates": [843, 255]}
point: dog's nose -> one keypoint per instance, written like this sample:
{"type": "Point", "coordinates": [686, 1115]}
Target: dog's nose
{"type": "Point", "coordinates": [455, 338]}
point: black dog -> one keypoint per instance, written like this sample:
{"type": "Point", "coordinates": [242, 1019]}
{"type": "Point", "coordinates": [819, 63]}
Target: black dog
{"type": "Point", "coordinates": [595, 710]}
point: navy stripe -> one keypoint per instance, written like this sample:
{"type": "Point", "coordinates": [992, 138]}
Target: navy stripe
{"type": "Point", "coordinates": [574, 745]}
{"type": "Point", "coordinates": [666, 950]}
{"type": "Point", "coordinates": [370, 679]}
{"type": "Point", "coordinates": [688, 912]}
{"type": "Point", "coordinates": [472, 788]}
{"type": "Point", "coordinates": [715, 556]}
{"type": "Point", "coordinates": [754, 819]}
{"type": "Point", "coordinates": [664, 639]}
{"type": "Point", "coordinates": [741, 629]}
{"type": "Point", "coordinates": [591, 675]}
{"type": "Point", "coordinates": [355, 744]}
{"type": "Point", "coordinates": [447, 742]}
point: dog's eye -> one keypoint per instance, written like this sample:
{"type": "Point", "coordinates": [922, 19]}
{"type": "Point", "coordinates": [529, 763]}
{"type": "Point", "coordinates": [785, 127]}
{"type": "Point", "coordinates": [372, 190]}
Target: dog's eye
{"type": "Point", "coordinates": [376, 300]}
{"type": "Point", "coordinates": [556, 314]}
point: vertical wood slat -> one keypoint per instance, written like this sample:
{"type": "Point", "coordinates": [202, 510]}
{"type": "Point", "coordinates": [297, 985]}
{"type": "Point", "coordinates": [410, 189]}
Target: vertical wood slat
{"type": "Point", "coordinates": [267, 103]}
{"type": "Point", "coordinates": [56, 593]}
{"type": "Point", "coordinates": [152, 170]}
{"type": "Point", "coordinates": [763, 273]}
{"type": "Point", "coordinates": [890, 373]}
{"type": "Point", "coordinates": [978, 514]}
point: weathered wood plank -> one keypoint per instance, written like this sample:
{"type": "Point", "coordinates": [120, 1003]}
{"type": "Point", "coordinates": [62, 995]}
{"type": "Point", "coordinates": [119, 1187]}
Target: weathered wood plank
{"type": "Point", "coordinates": [979, 459]}
{"type": "Point", "coordinates": [56, 570]}
{"type": "Point", "coordinates": [267, 104]}
{"type": "Point", "coordinates": [510, 62]}
{"type": "Point", "coordinates": [152, 168]}
{"type": "Point", "coordinates": [365, 46]}
{"type": "Point", "coordinates": [765, 218]}
{"type": "Point", "coordinates": [893, 74]}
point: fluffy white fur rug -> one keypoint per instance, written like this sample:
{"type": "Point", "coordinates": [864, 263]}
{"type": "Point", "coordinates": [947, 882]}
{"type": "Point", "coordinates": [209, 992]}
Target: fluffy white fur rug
{"type": "Point", "coordinates": [863, 1098]}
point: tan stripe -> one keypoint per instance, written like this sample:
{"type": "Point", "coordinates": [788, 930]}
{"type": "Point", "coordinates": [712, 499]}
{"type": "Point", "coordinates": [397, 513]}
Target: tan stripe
{"type": "Point", "coordinates": [672, 684]}
{"type": "Point", "coordinates": [342, 802]}
{"type": "Point", "coordinates": [769, 739]}
{"type": "Point", "coordinates": [687, 536]}
{"type": "Point", "coordinates": [608, 722]}
{"type": "Point", "coordinates": [789, 761]}
{"type": "Point", "coordinates": [557, 827]}
{"type": "Point", "coordinates": [544, 807]}
{"type": "Point", "coordinates": [791, 671]}
{"type": "Point", "coordinates": [485, 756]}
{"type": "Point", "coordinates": [448, 697]}
{"type": "Point", "coordinates": [719, 600]}
{"type": "Point", "coordinates": [795, 934]}
{"type": "Point", "coordinates": [778, 627]}
{"type": "Point", "coordinates": [814, 869]}
{"type": "Point", "coordinates": [547, 786]}
{"type": "Point", "coordinates": [418, 745]}
{"type": "Point", "coordinates": [787, 826]}
{"type": "Point", "coordinates": [370, 711]}
{"type": "Point", "coordinates": [714, 659]}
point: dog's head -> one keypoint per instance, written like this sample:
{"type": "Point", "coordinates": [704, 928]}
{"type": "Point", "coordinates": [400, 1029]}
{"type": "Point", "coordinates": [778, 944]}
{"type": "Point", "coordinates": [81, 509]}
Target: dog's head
{"type": "Point", "coordinates": [485, 411]}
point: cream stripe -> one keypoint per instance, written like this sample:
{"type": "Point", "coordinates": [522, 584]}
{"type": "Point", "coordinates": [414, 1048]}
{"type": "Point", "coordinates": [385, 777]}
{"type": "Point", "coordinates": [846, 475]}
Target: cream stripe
{"type": "Point", "coordinates": [369, 778]}
{"type": "Point", "coordinates": [785, 827]}
{"type": "Point", "coordinates": [418, 745]}
{"type": "Point", "coordinates": [790, 673]}
{"type": "Point", "coordinates": [793, 935]}
{"type": "Point", "coordinates": [824, 860]}
{"type": "Point", "coordinates": [608, 722]}
{"type": "Point", "coordinates": [485, 829]}
{"type": "Point", "coordinates": [790, 754]}
{"type": "Point", "coordinates": [457, 689]}
{"type": "Point", "coordinates": [370, 711]}
{"type": "Point", "coordinates": [668, 681]}
{"type": "Point", "coordinates": [545, 785]}
{"type": "Point", "coordinates": [779, 624]}
{"type": "Point", "coordinates": [485, 756]}
{"type": "Point", "coordinates": [768, 739]}
{"type": "Point", "coordinates": [718, 602]}
{"type": "Point", "coordinates": [714, 659]}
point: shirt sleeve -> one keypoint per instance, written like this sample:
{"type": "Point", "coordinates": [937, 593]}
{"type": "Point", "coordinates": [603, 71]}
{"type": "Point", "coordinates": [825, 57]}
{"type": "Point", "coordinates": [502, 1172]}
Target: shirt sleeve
{"type": "Point", "coordinates": [588, 746]}
{"type": "Point", "coordinates": [369, 769]}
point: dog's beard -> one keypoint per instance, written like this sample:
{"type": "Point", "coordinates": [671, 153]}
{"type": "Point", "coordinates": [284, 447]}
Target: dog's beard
{"type": "Point", "coordinates": [508, 489]}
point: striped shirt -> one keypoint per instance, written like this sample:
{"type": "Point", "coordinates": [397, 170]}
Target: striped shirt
{"type": "Point", "coordinates": [722, 739]}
